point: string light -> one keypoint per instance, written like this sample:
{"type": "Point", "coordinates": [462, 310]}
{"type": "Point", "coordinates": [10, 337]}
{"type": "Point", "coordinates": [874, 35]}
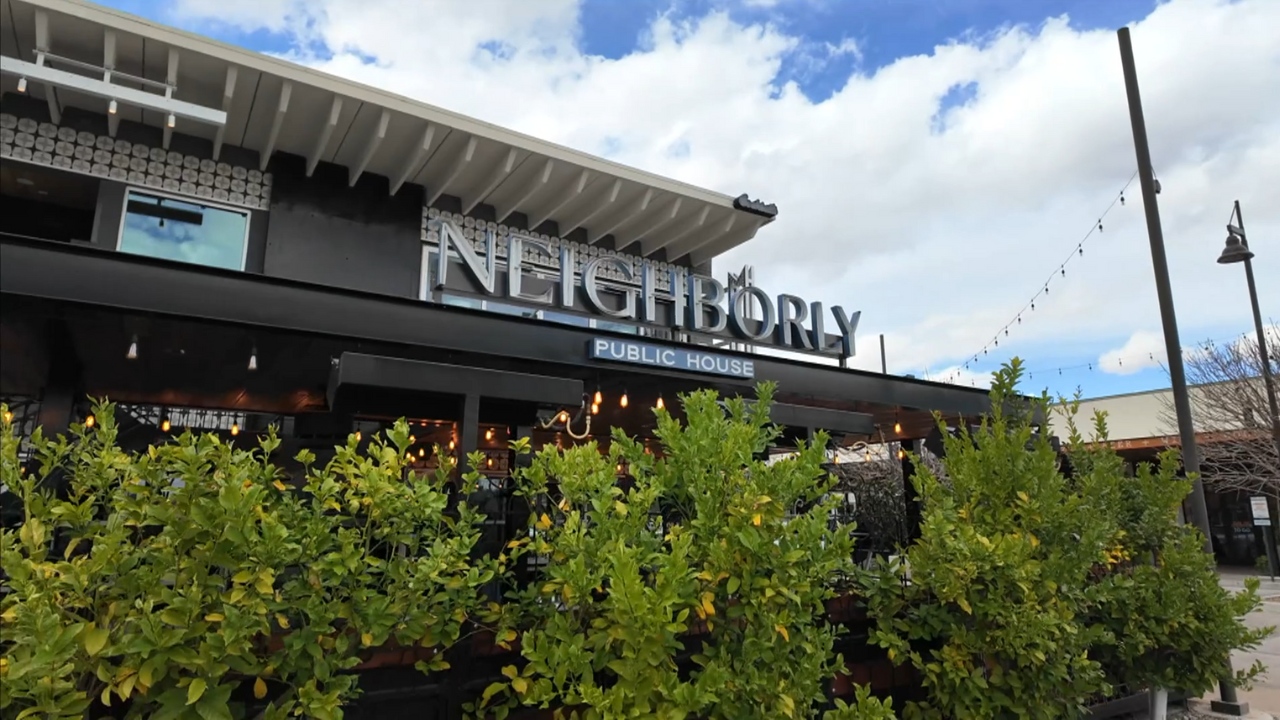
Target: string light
{"type": "Point", "coordinates": [1149, 357]}
{"type": "Point", "coordinates": [235, 429]}
{"type": "Point", "coordinates": [8, 416]}
{"type": "Point", "coordinates": [88, 421]}
{"type": "Point", "coordinates": [595, 408]}
{"type": "Point", "coordinates": [357, 436]}
{"type": "Point", "coordinates": [623, 401]}
{"type": "Point", "coordinates": [897, 427]}
{"type": "Point", "coordinates": [599, 398]}
{"type": "Point", "coordinates": [422, 452]}
{"type": "Point", "coordinates": [165, 425]}
{"type": "Point", "coordinates": [133, 349]}
{"type": "Point", "coordinates": [253, 359]}
{"type": "Point", "coordinates": [488, 434]}
{"type": "Point", "coordinates": [660, 405]}
{"type": "Point", "coordinates": [452, 445]}
{"type": "Point", "coordinates": [1061, 270]}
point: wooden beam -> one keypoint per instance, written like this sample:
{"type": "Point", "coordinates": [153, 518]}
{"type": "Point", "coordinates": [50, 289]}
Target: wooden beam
{"type": "Point", "coordinates": [592, 208]}
{"type": "Point", "coordinates": [724, 243]}
{"type": "Point", "coordinates": [317, 152]}
{"type": "Point", "coordinates": [650, 245]}
{"type": "Point", "coordinates": [171, 77]}
{"type": "Point", "coordinates": [370, 148]}
{"type": "Point", "coordinates": [679, 250]}
{"type": "Point", "coordinates": [500, 171]}
{"type": "Point", "coordinates": [415, 159]}
{"type": "Point", "coordinates": [109, 63]}
{"type": "Point", "coordinates": [502, 212]}
{"type": "Point", "coordinates": [460, 160]}
{"type": "Point", "coordinates": [42, 46]}
{"type": "Point", "coordinates": [566, 195]}
{"type": "Point", "coordinates": [282, 107]}
{"type": "Point", "coordinates": [631, 212]}
{"type": "Point", "coordinates": [652, 224]}
{"type": "Point", "coordinates": [228, 89]}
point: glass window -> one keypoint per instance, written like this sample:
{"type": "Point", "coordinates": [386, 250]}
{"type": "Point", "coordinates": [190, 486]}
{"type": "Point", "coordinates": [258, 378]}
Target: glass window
{"type": "Point", "coordinates": [460, 301]}
{"type": "Point", "coordinates": [617, 327]}
{"type": "Point", "coordinates": [565, 318]}
{"type": "Point", "coordinates": [171, 229]}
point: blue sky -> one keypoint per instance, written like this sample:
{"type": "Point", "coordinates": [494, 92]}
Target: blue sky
{"type": "Point", "coordinates": [1024, 143]}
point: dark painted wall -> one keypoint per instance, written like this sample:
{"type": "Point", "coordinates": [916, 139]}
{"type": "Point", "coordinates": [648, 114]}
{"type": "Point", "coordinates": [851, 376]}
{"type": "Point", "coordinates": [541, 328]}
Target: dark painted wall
{"type": "Point", "coordinates": [325, 232]}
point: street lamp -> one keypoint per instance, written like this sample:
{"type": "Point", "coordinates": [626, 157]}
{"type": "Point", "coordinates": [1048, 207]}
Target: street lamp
{"type": "Point", "coordinates": [1237, 251]}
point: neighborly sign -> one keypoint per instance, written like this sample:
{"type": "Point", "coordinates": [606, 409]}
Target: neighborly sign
{"type": "Point", "coordinates": [1261, 518]}
{"type": "Point", "coordinates": [697, 361]}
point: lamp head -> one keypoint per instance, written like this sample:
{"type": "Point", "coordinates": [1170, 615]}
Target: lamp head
{"type": "Point", "coordinates": [1235, 251]}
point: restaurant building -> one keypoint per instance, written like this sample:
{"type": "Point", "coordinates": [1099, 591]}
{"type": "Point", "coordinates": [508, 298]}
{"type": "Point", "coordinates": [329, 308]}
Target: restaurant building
{"type": "Point", "coordinates": [220, 240]}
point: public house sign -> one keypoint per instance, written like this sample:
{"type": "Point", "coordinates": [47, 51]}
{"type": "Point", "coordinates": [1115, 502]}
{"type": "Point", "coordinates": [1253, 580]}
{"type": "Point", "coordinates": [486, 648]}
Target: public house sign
{"type": "Point", "coordinates": [625, 288]}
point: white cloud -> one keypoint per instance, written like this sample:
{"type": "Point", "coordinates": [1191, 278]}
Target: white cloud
{"type": "Point", "coordinates": [939, 237]}
{"type": "Point", "coordinates": [1143, 350]}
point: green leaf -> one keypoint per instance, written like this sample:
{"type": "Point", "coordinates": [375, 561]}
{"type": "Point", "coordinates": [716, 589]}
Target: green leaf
{"type": "Point", "coordinates": [195, 690]}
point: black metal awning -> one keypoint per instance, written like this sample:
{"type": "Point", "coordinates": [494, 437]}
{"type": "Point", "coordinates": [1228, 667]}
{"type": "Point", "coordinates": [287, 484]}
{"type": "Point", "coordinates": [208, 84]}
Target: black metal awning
{"type": "Point", "coordinates": [358, 370]}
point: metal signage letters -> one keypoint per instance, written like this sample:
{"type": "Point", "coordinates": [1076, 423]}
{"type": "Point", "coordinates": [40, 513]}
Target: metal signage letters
{"type": "Point", "coordinates": [699, 303]}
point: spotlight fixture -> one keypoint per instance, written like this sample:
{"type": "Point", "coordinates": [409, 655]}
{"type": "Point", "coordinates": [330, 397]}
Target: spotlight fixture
{"type": "Point", "coordinates": [88, 421]}
{"type": "Point", "coordinates": [599, 398]}
{"type": "Point", "coordinates": [660, 404]}
{"type": "Point", "coordinates": [173, 120]}
{"type": "Point", "coordinates": [253, 359]}
{"type": "Point", "coordinates": [22, 84]}
{"type": "Point", "coordinates": [165, 425]}
{"type": "Point", "coordinates": [623, 401]}
{"type": "Point", "coordinates": [133, 349]}
{"type": "Point", "coordinates": [235, 429]}
{"type": "Point", "coordinates": [111, 108]}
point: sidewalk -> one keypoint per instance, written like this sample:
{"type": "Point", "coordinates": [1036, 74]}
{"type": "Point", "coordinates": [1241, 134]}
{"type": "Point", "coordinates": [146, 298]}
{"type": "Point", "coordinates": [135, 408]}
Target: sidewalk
{"type": "Point", "coordinates": [1265, 695]}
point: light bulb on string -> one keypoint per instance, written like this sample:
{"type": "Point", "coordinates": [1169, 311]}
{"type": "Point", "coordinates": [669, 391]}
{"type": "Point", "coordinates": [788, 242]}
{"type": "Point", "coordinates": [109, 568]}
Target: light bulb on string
{"type": "Point", "coordinates": [8, 416]}
{"type": "Point", "coordinates": [1122, 198]}
{"type": "Point", "coordinates": [595, 408]}
{"type": "Point", "coordinates": [897, 427]}
{"type": "Point", "coordinates": [422, 452]}
{"type": "Point", "coordinates": [599, 398]}
{"type": "Point", "coordinates": [488, 434]}
{"type": "Point", "coordinates": [1099, 225]}
{"type": "Point", "coordinates": [1064, 272]}
{"type": "Point", "coordinates": [88, 421]}
{"type": "Point", "coordinates": [660, 404]}
{"type": "Point", "coordinates": [253, 359]}
{"type": "Point", "coordinates": [132, 354]}
{"type": "Point", "coordinates": [165, 425]}
{"type": "Point", "coordinates": [413, 439]}
{"type": "Point", "coordinates": [235, 429]}
{"type": "Point", "coordinates": [1080, 248]}
{"type": "Point", "coordinates": [452, 444]}
{"type": "Point", "coordinates": [623, 401]}
{"type": "Point", "coordinates": [358, 436]}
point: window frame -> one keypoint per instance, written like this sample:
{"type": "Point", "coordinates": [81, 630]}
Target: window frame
{"type": "Point", "coordinates": [143, 190]}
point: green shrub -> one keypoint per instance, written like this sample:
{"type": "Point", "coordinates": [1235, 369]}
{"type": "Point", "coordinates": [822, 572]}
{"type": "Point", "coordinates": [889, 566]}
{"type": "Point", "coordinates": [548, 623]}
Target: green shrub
{"type": "Point", "coordinates": [991, 617]}
{"type": "Point", "coordinates": [1170, 622]}
{"type": "Point", "coordinates": [696, 591]}
{"type": "Point", "coordinates": [168, 579]}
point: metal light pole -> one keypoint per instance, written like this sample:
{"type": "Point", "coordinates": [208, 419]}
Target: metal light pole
{"type": "Point", "coordinates": [1237, 251]}
{"type": "Point", "coordinates": [1229, 704]}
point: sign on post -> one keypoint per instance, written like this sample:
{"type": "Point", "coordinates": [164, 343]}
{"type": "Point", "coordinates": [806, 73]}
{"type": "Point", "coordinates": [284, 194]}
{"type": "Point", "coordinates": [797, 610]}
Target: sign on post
{"type": "Point", "coordinates": [1261, 518]}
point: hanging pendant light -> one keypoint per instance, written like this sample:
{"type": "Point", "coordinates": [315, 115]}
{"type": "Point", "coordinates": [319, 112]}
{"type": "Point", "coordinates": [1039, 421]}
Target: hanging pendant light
{"type": "Point", "coordinates": [165, 425]}
{"type": "Point", "coordinates": [660, 405]}
{"type": "Point", "coordinates": [133, 349]}
{"type": "Point", "coordinates": [253, 359]}
{"type": "Point", "coordinates": [623, 401]}
{"type": "Point", "coordinates": [599, 398]}
{"type": "Point", "coordinates": [235, 429]}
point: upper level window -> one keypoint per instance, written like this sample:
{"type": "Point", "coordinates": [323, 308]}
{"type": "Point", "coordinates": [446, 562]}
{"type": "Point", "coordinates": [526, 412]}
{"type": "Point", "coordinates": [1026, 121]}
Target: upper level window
{"type": "Point", "coordinates": [169, 228]}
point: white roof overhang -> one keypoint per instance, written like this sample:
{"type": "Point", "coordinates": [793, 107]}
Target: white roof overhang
{"type": "Point", "coordinates": [161, 76]}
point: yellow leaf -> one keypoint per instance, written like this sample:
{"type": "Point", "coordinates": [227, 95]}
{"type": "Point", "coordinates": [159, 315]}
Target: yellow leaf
{"type": "Point", "coordinates": [621, 507]}
{"type": "Point", "coordinates": [195, 690]}
{"type": "Point", "coordinates": [510, 672]}
{"type": "Point", "coordinates": [282, 621]}
{"type": "Point", "coordinates": [708, 603]}
{"type": "Point", "coordinates": [214, 617]}
{"type": "Point", "coordinates": [1024, 497]}
{"type": "Point", "coordinates": [9, 615]}
{"type": "Point", "coordinates": [757, 519]}
{"type": "Point", "coordinates": [95, 638]}
{"type": "Point", "coordinates": [788, 705]}
{"type": "Point", "coordinates": [544, 522]}
{"type": "Point", "coordinates": [366, 639]}
{"type": "Point", "coordinates": [520, 684]}
{"type": "Point", "coordinates": [259, 688]}
{"type": "Point", "coordinates": [280, 486]}
{"type": "Point", "coordinates": [1035, 541]}
{"type": "Point", "coordinates": [106, 696]}
{"type": "Point", "coordinates": [964, 605]}
{"type": "Point", "coordinates": [782, 630]}
{"type": "Point", "coordinates": [243, 576]}
{"type": "Point", "coordinates": [263, 584]}
{"type": "Point", "coordinates": [891, 653]}
{"type": "Point", "coordinates": [563, 504]}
